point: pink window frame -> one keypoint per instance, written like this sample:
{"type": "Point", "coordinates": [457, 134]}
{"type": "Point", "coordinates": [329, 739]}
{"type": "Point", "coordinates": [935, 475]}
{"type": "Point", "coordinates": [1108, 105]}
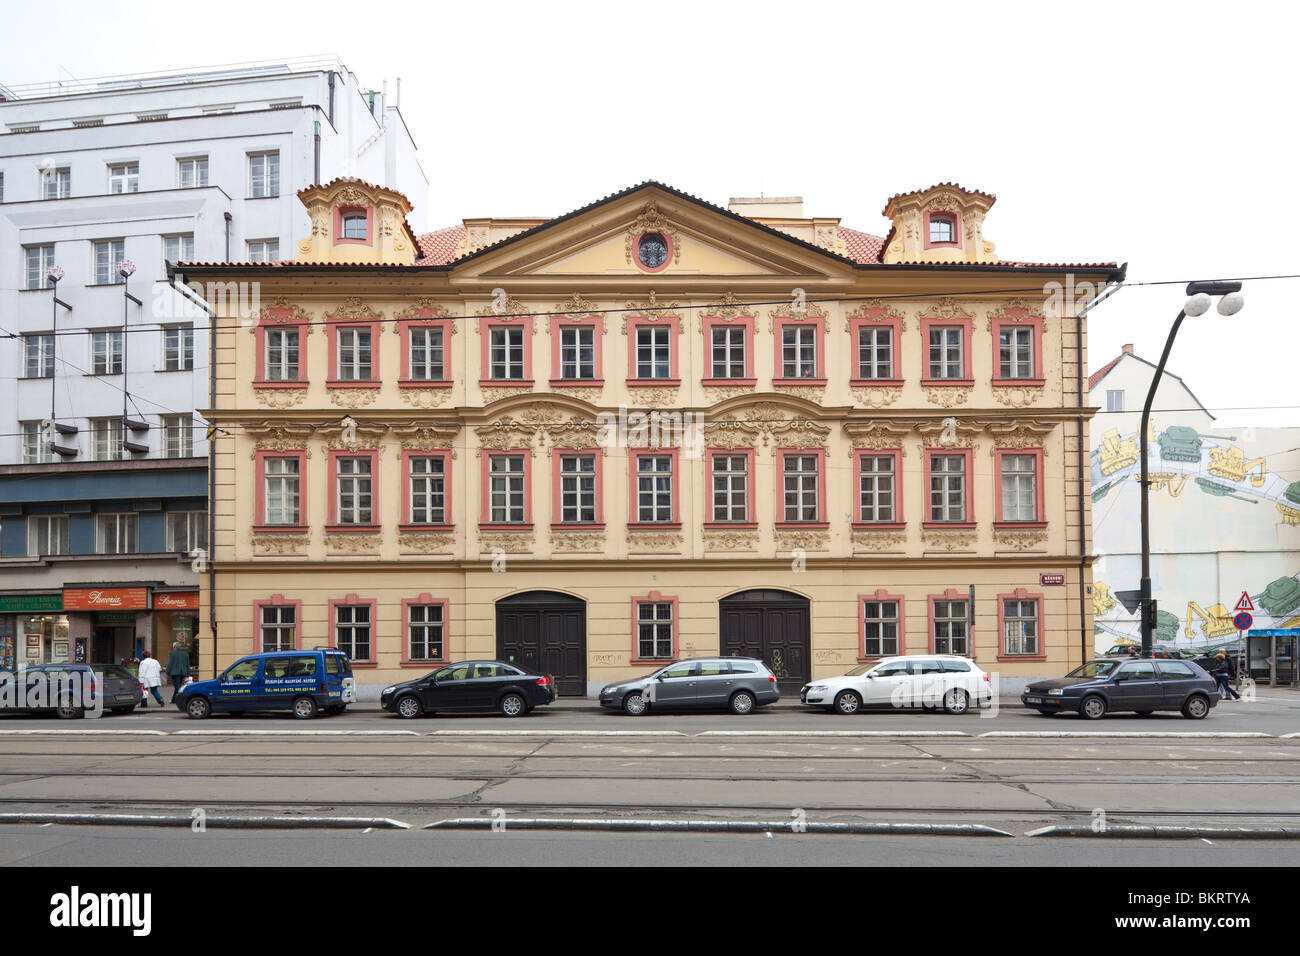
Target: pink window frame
{"type": "Point", "coordinates": [557, 510]}
{"type": "Point", "coordinates": [426, 598]}
{"type": "Point", "coordinates": [633, 455]}
{"type": "Point", "coordinates": [1040, 497]}
{"type": "Point", "coordinates": [880, 595]}
{"type": "Point", "coordinates": [821, 521]}
{"type": "Point", "coordinates": [900, 521]}
{"type": "Point", "coordinates": [950, 594]}
{"type": "Point", "coordinates": [259, 494]}
{"type": "Point", "coordinates": [425, 318]}
{"type": "Point", "coordinates": [352, 600]}
{"type": "Point", "coordinates": [485, 489]}
{"type": "Point", "coordinates": [966, 324]}
{"type": "Point", "coordinates": [951, 214]}
{"type": "Point", "coordinates": [874, 318]}
{"type": "Point", "coordinates": [340, 212]}
{"type": "Point", "coordinates": [969, 454]}
{"type": "Point", "coordinates": [259, 337]}
{"type": "Point", "coordinates": [779, 324]}
{"type": "Point", "coordinates": [443, 453]}
{"type": "Point", "coordinates": [1020, 594]}
{"type": "Point", "coordinates": [674, 324]}
{"type": "Point", "coordinates": [332, 509]}
{"type": "Point", "coordinates": [486, 325]}
{"type": "Point", "coordinates": [276, 600]}
{"type": "Point", "coordinates": [1027, 321]}
{"type": "Point", "coordinates": [636, 252]}
{"type": "Point", "coordinates": [594, 322]}
{"type": "Point", "coordinates": [654, 597]}
{"type": "Point", "coordinates": [332, 328]}
{"type": "Point", "coordinates": [751, 485]}
{"type": "Point", "coordinates": [710, 322]}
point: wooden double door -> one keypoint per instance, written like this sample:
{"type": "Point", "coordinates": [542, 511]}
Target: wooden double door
{"type": "Point", "coordinates": [546, 631]}
{"type": "Point", "coordinates": [773, 626]}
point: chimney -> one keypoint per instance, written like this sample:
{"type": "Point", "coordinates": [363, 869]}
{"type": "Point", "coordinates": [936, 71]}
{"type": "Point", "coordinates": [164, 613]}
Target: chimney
{"type": "Point", "coordinates": [1128, 349]}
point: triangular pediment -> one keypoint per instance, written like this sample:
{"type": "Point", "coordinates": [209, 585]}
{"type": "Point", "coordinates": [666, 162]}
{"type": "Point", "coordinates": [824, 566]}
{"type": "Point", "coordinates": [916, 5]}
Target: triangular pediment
{"type": "Point", "coordinates": [703, 240]}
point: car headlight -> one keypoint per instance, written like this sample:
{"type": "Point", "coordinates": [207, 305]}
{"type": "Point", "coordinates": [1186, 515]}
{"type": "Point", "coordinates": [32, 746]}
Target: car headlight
{"type": "Point", "coordinates": [387, 690]}
{"type": "Point", "coordinates": [821, 687]}
{"type": "Point", "coordinates": [1056, 692]}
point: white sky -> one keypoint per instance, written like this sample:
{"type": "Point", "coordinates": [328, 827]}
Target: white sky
{"type": "Point", "coordinates": [1161, 134]}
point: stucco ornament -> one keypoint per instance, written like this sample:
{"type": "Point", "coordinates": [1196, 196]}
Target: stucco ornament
{"type": "Point", "coordinates": [730, 540]}
{"type": "Point", "coordinates": [510, 543]}
{"type": "Point", "coordinates": [651, 220]}
{"type": "Point", "coordinates": [423, 313]}
{"type": "Point", "coordinates": [369, 543]}
{"type": "Point", "coordinates": [426, 397]}
{"type": "Point", "coordinates": [1027, 540]}
{"type": "Point", "coordinates": [577, 542]}
{"type": "Point", "coordinates": [878, 311]}
{"type": "Point", "coordinates": [949, 540]}
{"type": "Point", "coordinates": [264, 544]}
{"type": "Point", "coordinates": [947, 396]}
{"type": "Point", "coordinates": [877, 396]}
{"type": "Point", "coordinates": [766, 423]}
{"type": "Point", "coordinates": [808, 540]}
{"type": "Point", "coordinates": [653, 541]}
{"type": "Point", "coordinates": [426, 542]}
{"type": "Point", "coordinates": [651, 309]}
{"type": "Point", "coordinates": [280, 397]}
{"type": "Point", "coordinates": [1017, 396]}
{"type": "Point", "coordinates": [353, 397]}
{"type": "Point", "coordinates": [870, 541]}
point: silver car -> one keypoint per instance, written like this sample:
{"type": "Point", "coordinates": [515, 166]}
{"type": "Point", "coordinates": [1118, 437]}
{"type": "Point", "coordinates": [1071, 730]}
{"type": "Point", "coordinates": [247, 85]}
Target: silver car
{"type": "Point", "coordinates": [737, 683]}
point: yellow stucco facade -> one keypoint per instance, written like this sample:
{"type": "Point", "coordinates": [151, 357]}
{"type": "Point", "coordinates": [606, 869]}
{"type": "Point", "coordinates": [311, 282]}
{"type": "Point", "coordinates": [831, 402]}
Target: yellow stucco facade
{"type": "Point", "coordinates": [356, 490]}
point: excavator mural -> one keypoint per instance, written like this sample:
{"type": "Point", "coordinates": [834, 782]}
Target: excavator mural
{"type": "Point", "coordinates": [1225, 519]}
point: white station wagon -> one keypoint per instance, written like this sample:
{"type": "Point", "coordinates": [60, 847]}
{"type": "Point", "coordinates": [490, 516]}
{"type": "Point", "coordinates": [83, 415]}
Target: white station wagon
{"type": "Point", "coordinates": [928, 680]}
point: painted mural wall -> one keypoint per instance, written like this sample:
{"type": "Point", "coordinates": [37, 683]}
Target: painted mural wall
{"type": "Point", "coordinates": [1225, 519]}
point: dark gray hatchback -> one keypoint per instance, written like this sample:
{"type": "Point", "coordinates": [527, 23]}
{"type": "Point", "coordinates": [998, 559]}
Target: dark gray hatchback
{"type": "Point", "coordinates": [737, 683]}
{"type": "Point", "coordinates": [1141, 685]}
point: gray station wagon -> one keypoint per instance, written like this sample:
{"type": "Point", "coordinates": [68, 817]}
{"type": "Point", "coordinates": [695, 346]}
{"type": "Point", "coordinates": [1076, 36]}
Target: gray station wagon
{"type": "Point", "coordinates": [737, 683]}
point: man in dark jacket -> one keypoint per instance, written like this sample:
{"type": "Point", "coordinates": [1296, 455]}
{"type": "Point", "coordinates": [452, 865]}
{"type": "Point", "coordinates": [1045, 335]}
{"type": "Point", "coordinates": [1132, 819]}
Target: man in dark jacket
{"type": "Point", "coordinates": [178, 667]}
{"type": "Point", "coordinates": [1223, 673]}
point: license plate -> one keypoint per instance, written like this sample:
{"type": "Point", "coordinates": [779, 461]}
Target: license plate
{"type": "Point", "coordinates": [1033, 700]}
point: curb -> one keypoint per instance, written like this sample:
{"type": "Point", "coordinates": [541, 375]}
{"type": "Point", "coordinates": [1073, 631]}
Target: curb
{"type": "Point", "coordinates": [554, 733]}
{"type": "Point", "coordinates": [832, 733]}
{"type": "Point", "coordinates": [716, 826]}
{"type": "Point", "coordinates": [210, 820]}
{"type": "Point", "coordinates": [292, 733]}
{"type": "Point", "coordinates": [83, 733]}
{"type": "Point", "coordinates": [1130, 733]}
{"type": "Point", "coordinates": [1130, 831]}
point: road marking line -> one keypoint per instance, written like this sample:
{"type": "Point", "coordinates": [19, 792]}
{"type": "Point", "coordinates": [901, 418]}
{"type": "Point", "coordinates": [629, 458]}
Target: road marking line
{"type": "Point", "coordinates": [714, 826]}
{"type": "Point", "coordinates": [293, 733]}
{"type": "Point", "coordinates": [554, 733]}
{"type": "Point", "coordinates": [832, 733]}
{"type": "Point", "coordinates": [1124, 733]}
{"type": "Point", "coordinates": [209, 820]}
{"type": "Point", "coordinates": [81, 733]}
{"type": "Point", "coordinates": [1156, 830]}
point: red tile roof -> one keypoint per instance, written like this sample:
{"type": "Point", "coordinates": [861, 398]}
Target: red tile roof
{"type": "Point", "coordinates": [1098, 375]}
{"type": "Point", "coordinates": [862, 247]}
{"type": "Point", "coordinates": [440, 247]}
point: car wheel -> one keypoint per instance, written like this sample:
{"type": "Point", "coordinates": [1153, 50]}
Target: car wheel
{"type": "Point", "coordinates": [742, 702]}
{"type": "Point", "coordinates": [956, 701]}
{"type": "Point", "coordinates": [304, 708]}
{"type": "Point", "coordinates": [512, 705]}
{"type": "Point", "coordinates": [847, 702]}
{"type": "Point", "coordinates": [1093, 707]}
{"type": "Point", "coordinates": [635, 704]}
{"type": "Point", "coordinates": [198, 708]}
{"type": "Point", "coordinates": [1196, 707]}
{"type": "Point", "coordinates": [67, 709]}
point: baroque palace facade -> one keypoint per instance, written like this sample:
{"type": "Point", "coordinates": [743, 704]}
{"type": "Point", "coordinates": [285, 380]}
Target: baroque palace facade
{"type": "Point", "coordinates": [652, 428]}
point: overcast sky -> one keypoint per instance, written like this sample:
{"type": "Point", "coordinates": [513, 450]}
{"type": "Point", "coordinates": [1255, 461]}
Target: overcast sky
{"type": "Point", "coordinates": [1164, 137]}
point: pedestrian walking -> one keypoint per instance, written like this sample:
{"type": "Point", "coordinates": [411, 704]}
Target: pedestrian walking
{"type": "Point", "coordinates": [150, 675]}
{"type": "Point", "coordinates": [178, 668]}
{"type": "Point", "coordinates": [1224, 672]}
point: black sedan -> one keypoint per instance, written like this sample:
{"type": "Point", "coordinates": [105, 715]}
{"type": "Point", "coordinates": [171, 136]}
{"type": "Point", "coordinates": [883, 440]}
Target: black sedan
{"type": "Point", "coordinates": [1142, 685]}
{"type": "Point", "coordinates": [470, 685]}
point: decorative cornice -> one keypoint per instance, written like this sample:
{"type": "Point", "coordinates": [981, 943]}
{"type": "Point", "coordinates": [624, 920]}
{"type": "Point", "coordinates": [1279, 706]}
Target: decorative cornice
{"type": "Point", "coordinates": [728, 308]}
{"type": "Point", "coordinates": [651, 309]}
{"type": "Point", "coordinates": [511, 310]}
{"type": "Point", "coordinates": [1020, 433]}
{"type": "Point", "coordinates": [765, 423]}
{"type": "Point", "coordinates": [962, 431]}
{"type": "Point", "coordinates": [1023, 309]}
{"type": "Point", "coordinates": [296, 317]}
{"type": "Point", "coordinates": [367, 436]}
{"type": "Point", "coordinates": [422, 435]}
{"type": "Point", "coordinates": [354, 309]}
{"type": "Point", "coordinates": [947, 308]}
{"type": "Point", "coordinates": [875, 434]}
{"type": "Point", "coordinates": [279, 436]}
{"type": "Point", "coordinates": [651, 219]}
{"type": "Point", "coordinates": [423, 304]}
{"type": "Point", "coordinates": [811, 310]}
{"type": "Point", "coordinates": [575, 307]}
{"type": "Point", "coordinates": [888, 313]}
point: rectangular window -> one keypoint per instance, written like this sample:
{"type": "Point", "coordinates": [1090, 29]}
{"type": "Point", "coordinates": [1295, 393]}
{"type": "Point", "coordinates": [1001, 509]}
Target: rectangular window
{"type": "Point", "coordinates": [945, 353]}
{"type": "Point", "coordinates": [506, 488]}
{"type": "Point", "coordinates": [1016, 353]}
{"type": "Point", "coordinates": [187, 530]}
{"type": "Point", "coordinates": [426, 355]}
{"type": "Point", "coordinates": [428, 490]}
{"type": "Point", "coordinates": [263, 250]}
{"type": "Point", "coordinates": [178, 348]}
{"type": "Point", "coordinates": [942, 229]}
{"type": "Point", "coordinates": [876, 487]}
{"type": "Point", "coordinates": [875, 353]}
{"type": "Point", "coordinates": [654, 487]}
{"type": "Point", "coordinates": [124, 178]}
{"type": "Point", "coordinates": [192, 173]}
{"type": "Point", "coordinates": [654, 620]}
{"type": "Point", "coordinates": [39, 261]}
{"type": "Point", "coordinates": [38, 354]}
{"type": "Point", "coordinates": [424, 634]}
{"type": "Point", "coordinates": [281, 478]}
{"type": "Point", "coordinates": [947, 488]}
{"type": "Point", "coordinates": [279, 627]}
{"type": "Point", "coordinates": [56, 183]}
{"type": "Point", "coordinates": [47, 534]}
{"type": "Point", "coordinates": [106, 353]}
{"type": "Point", "coordinates": [36, 445]}
{"type": "Point", "coordinates": [282, 355]}
{"type": "Point", "coordinates": [109, 256]}
{"type": "Point", "coordinates": [653, 355]}
{"type": "Point", "coordinates": [354, 355]}
{"type": "Point", "coordinates": [1020, 627]}
{"type": "Point", "coordinates": [730, 488]}
{"type": "Point", "coordinates": [179, 248]}
{"type": "Point", "coordinates": [798, 352]}
{"type": "Point", "coordinates": [801, 488]}
{"type": "Point", "coordinates": [506, 353]}
{"type": "Point", "coordinates": [106, 439]}
{"type": "Point", "coordinates": [354, 490]}
{"type": "Point", "coordinates": [263, 175]}
{"type": "Point", "coordinates": [116, 534]}
{"type": "Point", "coordinates": [1114, 399]}
{"type": "Point", "coordinates": [577, 488]}
{"type": "Point", "coordinates": [578, 353]}
{"type": "Point", "coordinates": [879, 628]}
{"type": "Point", "coordinates": [729, 352]}
{"type": "Point", "coordinates": [354, 226]}
{"type": "Point", "coordinates": [352, 630]}
{"type": "Point", "coordinates": [178, 436]}
{"type": "Point", "coordinates": [951, 628]}
{"type": "Point", "coordinates": [1019, 488]}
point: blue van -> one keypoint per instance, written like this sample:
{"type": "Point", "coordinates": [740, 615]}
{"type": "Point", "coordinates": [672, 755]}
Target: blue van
{"type": "Point", "coordinates": [304, 682]}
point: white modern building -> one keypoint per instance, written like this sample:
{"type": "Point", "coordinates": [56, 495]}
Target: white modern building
{"type": "Point", "coordinates": [108, 368]}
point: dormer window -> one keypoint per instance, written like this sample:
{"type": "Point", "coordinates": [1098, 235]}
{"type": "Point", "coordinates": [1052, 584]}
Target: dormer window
{"type": "Point", "coordinates": [942, 229]}
{"type": "Point", "coordinates": [354, 225]}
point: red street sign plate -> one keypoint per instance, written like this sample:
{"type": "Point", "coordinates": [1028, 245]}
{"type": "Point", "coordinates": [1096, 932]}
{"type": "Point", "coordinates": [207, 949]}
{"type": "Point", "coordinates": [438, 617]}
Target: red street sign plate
{"type": "Point", "coordinates": [1244, 603]}
{"type": "Point", "coordinates": [1243, 621]}
{"type": "Point", "coordinates": [1046, 579]}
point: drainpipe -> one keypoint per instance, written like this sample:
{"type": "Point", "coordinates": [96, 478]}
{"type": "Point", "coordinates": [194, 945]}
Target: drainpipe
{"type": "Point", "coordinates": [229, 219]}
{"type": "Point", "coordinates": [316, 159]}
{"type": "Point", "coordinates": [212, 475]}
{"type": "Point", "coordinates": [331, 109]}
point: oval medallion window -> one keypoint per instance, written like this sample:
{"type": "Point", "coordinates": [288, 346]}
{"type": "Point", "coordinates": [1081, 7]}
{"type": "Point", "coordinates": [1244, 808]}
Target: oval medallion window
{"type": "Point", "coordinates": [652, 250]}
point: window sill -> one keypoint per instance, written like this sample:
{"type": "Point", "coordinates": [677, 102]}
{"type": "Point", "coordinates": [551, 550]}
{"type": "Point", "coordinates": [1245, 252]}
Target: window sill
{"type": "Point", "coordinates": [576, 383]}
{"type": "Point", "coordinates": [506, 383]}
{"type": "Point", "coordinates": [431, 528]}
{"type": "Point", "coordinates": [424, 662]}
{"type": "Point", "coordinates": [579, 526]}
{"type": "Point", "coordinates": [949, 525]}
{"type": "Point", "coordinates": [948, 382]}
{"type": "Point", "coordinates": [1018, 382]}
{"type": "Point", "coordinates": [357, 384]}
{"type": "Point", "coordinates": [1018, 525]}
{"type": "Point", "coordinates": [652, 382]}
{"type": "Point", "coordinates": [1011, 658]}
{"type": "Point", "coordinates": [873, 659]}
{"type": "Point", "coordinates": [424, 383]}
{"type": "Point", "coordinates": [103, 285]}
{"type": "Point", "coordinates": [802, 525]}
{"type": "Point", "coordinates": [281, 529]}
{"type": "Point", "coordinates": [353, 529]}
{"type": "Point", "coordinates": [879, 526]}
{"type": "Point", "coordinates": [295, 383]}
{"type": "Point", "coordinates": [778, 382]}
{"type": "Point", "coordinates": [729, 382]}
{"type": "Point", "coordinates": [654, 526]}
{"type": "Point", "coordinates": [657, 661]}
{"type": "Point", "coordinates": [261, 197]}
{"type": "Point", "coordinates": [875, 383]}
{"type": "Point", "coordinates": [731, 526]}
{"type": "Point", "coordinates": [504, 526]}
{"type": "Point", "coordinates": [164, 370]}
{"type": "Point", "coordinates": [363, 664]}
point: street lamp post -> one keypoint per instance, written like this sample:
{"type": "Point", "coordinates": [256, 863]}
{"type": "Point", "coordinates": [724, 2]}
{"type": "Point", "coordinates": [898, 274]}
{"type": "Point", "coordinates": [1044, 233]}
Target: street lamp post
{"type": "Point", "coordinates": [1198, 303]}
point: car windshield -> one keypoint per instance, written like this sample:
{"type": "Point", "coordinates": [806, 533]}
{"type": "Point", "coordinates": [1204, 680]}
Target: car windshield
{"type": "Point", "coordinates": [859, 670]}
{"type": "Point", "coordinates": [1093, 669]}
